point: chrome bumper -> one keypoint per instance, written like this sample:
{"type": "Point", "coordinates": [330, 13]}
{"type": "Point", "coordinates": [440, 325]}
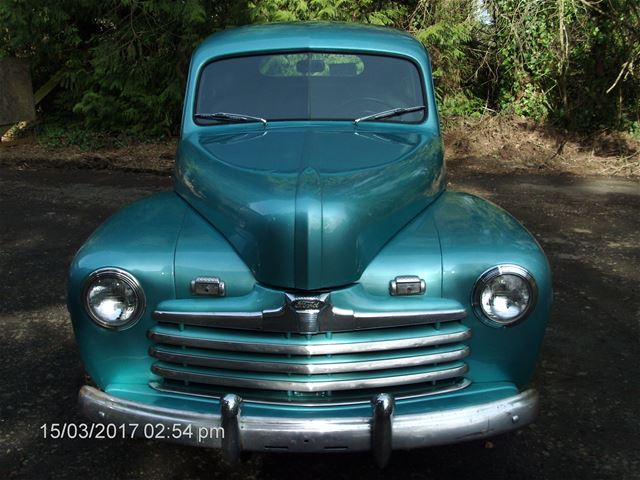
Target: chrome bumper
{"type": "Point", "coordinates": [380, 432]}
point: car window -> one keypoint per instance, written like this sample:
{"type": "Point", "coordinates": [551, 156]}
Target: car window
{"type": "Point", "coordinates": [310, 86]}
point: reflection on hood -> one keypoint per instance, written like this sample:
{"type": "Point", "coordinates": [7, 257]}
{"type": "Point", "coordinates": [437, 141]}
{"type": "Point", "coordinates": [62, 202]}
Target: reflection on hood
{"type": "Point", "coordinates": [309, 209]}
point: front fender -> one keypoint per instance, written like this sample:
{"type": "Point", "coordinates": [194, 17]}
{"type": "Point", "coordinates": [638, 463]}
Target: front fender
{"type": "Point", "coordinates": [476, 235]}
{"type": "Point", "coordinates": [449, 245]}
{"type": "Point", "coordinates": [140, 239]}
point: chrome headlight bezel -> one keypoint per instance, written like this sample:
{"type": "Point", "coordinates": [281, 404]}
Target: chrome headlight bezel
{"type": "Point", "coordinates": [123, 276]}
{"type": "Point", "coordinates": [491, 274]}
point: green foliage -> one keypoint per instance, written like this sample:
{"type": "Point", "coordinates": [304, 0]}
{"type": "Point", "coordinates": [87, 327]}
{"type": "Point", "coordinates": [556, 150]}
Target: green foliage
{"type": "Point", "coordinates": [124, 62]}
{"type": "Point", "coordinates": [461, 105]}
{"type": "Point", "coordinates": [447, 43]}
{"type": "Point", "coordinates": [634, 129]}
{"type": "Point", "coordinates": [527, 101]}
{"type": "Point", "coordinates": [575, 62]}
{"type": "Point", "coordinates": [363, 11]}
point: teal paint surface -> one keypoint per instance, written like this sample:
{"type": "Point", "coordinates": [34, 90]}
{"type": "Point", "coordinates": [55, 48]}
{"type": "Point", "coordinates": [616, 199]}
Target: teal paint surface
{"type": "Point", "coordinates": [307, 205]}
{"type": "Point", "coordinates": [310, 207]}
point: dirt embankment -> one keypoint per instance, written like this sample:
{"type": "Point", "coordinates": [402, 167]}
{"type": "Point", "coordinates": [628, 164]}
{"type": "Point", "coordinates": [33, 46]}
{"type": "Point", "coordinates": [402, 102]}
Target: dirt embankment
{"type": "Point", "coordinates": [513, 145]}
{"type": "Point", "coordinates": [27, 153]}
{"type": "Point", "coordinates": [491, 144]}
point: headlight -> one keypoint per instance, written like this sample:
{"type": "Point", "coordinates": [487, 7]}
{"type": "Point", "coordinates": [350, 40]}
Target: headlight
{"type": "Point", "coordinates": [504, 295]}
{"type": "Point", "coordinates": [113, 298]}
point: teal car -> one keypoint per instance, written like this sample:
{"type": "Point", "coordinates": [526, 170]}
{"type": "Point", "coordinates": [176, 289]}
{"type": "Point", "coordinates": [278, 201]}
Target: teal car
{"type": "Point", "coordinates": [310, 285]}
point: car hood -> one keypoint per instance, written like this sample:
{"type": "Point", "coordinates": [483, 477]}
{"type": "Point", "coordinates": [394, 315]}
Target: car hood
{"type": "Point", "coordinates": [309, 208]}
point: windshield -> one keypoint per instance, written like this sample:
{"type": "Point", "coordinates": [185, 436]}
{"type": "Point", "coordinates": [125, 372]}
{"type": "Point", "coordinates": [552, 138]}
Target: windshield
{"type": "Point", "coordinates": [310, 86]}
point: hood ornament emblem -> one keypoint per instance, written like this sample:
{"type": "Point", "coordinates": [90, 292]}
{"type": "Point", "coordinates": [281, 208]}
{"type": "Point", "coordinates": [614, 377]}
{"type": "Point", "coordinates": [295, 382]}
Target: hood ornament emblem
{"type": "Point", "coordinates": [308, 310]}
{"type": "Point", "coordinates": [307, 304]}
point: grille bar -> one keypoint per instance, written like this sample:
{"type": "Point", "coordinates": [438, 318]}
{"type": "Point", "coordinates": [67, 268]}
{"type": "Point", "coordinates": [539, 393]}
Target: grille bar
{"type": "Point", "coordinates": [371, 381]}
{"type": "Point", "coordinates": [327, 348]}
{"type": "Point", "coordinates": [284, 319]}
{"type": "Point", "coordinates": [336, 399]}
{"type": "Point", "coordinates": [305, 367]}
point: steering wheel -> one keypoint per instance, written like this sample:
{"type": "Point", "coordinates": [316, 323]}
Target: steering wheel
{"type": "Point", "coordinates": [369, 102]}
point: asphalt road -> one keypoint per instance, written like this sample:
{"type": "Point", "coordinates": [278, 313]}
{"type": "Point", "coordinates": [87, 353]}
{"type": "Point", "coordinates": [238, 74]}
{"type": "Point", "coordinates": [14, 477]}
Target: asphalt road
{"type": "Point", "coordinates": [588, 374]}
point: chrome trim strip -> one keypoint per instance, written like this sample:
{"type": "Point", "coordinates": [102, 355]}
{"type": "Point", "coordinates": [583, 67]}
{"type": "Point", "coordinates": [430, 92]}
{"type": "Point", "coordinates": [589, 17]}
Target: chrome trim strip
{"type": "Point", "coordinates": [305, 434]}
{"type": "Point", "coordinates": [352, 320]}
{"type": "Point", "coordinates": [308, 349]}
{"type": "Point", "coordinates": [461, 384]}
{"type": "Point", "coordinates": [286, 319]}
{"type": "Point", "coordinates": [306, 368]}
{"type": "Point", "coordinates": [312, 386]}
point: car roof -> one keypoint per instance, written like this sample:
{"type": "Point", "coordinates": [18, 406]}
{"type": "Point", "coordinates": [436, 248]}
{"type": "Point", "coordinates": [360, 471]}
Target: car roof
{"type": "Point", "coordinates": [309, 36]}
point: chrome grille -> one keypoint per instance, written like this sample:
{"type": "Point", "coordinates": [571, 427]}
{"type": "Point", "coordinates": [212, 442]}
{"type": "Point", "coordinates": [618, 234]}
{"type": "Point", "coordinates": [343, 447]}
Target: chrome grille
{"type": "Point", "coordinates": [404, 360]}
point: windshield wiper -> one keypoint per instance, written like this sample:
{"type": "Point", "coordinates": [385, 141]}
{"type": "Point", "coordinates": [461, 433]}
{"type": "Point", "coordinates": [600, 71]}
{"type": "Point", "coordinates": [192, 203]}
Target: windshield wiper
{"type": "Point", "coordinates": [390, 113]}
{"type": "Point", "coordinates": [230, 117]}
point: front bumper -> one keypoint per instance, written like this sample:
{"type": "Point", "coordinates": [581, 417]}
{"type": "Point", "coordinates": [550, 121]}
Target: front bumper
{"type": "Point", "coordinates": [380, 432]}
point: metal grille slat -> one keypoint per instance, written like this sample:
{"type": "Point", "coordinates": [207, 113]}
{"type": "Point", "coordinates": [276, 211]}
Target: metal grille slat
{"type": "Point", "coordinates": [352, 397]}
{"type": "Point", "coordinates": [309, 368]}
{"type": "Point", "coordinates": [282, 320]}
{"type": "Point", "coordinates": [189, 340]}
{"type": "Point", "coordinates": [369, 381]}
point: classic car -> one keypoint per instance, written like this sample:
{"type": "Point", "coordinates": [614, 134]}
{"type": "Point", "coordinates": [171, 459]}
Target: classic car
{"type": "Point", "coordinates": [310, 285]}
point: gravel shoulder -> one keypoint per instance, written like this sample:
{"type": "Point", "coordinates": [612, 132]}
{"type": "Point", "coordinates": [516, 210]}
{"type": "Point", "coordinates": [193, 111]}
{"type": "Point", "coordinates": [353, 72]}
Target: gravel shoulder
{"type": "Point", "coordinates": [589, 424]}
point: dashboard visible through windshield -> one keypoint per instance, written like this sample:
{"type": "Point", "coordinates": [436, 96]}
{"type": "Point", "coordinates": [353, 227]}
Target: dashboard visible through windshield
{"type": "Point", "coordinates": [309, 86]}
